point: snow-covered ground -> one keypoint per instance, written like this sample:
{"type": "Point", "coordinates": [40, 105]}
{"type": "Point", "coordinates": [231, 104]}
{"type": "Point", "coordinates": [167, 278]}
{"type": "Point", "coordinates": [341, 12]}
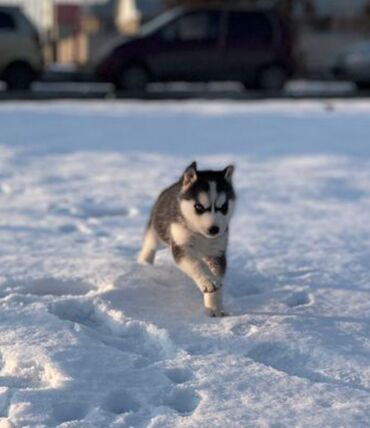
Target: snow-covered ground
{"type": "Point", "coordinates": [89, 338]}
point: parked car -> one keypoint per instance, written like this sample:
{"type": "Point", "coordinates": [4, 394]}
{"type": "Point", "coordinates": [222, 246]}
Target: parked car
{"type": "Point", "coordinates": [354, 64]}
{"type": "Point", "coordinates": [20, 52]}
{"type": "Point", "coordinates": [250, 46]}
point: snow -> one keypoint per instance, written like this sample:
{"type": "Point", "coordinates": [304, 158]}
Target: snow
{"type": "Point", "coordinates": [90, 338]}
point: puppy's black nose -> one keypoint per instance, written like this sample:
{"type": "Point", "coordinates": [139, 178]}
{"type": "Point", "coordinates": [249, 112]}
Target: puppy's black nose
{"type": "Point", "coordinates": [213, 230]}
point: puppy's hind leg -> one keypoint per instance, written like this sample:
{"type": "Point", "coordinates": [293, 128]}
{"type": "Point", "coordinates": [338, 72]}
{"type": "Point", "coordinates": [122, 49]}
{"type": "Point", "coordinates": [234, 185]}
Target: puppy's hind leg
{"type": "Point", "coordinates": [149, 248]}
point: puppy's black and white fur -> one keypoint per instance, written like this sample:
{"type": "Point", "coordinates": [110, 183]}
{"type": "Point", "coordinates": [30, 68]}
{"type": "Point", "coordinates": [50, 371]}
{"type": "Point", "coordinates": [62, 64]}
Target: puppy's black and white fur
{"type": "Point", "coordinates": [192, 217]}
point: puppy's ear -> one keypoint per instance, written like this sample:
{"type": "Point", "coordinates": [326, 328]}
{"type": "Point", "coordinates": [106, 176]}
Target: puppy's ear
{"type": "Point", "coordinates": [189, 176]}
{"type": "Point", "coordinates": [228, 172]}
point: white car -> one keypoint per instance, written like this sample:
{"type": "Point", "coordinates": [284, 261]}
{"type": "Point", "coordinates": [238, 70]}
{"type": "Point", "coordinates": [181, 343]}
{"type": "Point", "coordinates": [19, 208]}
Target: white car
{"type": "Point", "coordinates": [354, 64]}
{"type": "Point", "coordinates": [21, 60]}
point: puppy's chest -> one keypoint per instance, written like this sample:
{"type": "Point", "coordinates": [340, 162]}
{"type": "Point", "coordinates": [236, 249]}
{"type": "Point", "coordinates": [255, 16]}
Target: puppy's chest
{"type": "Point", "coordinates": [203, 247]}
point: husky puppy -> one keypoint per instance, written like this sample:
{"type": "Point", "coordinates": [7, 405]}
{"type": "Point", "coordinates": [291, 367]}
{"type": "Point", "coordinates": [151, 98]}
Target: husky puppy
{"type": "Point", "coordinates": [192, 217]}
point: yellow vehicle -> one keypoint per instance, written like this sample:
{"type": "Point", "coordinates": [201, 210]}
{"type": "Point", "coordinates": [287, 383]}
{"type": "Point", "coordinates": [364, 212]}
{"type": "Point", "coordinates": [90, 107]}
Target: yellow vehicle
{"type": "Point", "coordinates": [21, 60]}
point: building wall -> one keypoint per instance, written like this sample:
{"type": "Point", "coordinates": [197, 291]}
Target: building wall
{"type": "Point", "coordinates": [340, 8]}
{"type": "Point", "coordinates": [39, 11]}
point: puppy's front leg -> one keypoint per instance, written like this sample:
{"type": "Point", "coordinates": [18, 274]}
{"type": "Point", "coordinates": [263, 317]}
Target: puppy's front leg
{"type": "Point", "coordinates": [206, 281]}
{"type": "Point", "coordinates": [148, 251]}
{"type": "Point", "coordinates": [213, 301]}
{"type": "Point", "coordinates": [196, 269]}
{"type": "Point", "coordinates": [217, 264]}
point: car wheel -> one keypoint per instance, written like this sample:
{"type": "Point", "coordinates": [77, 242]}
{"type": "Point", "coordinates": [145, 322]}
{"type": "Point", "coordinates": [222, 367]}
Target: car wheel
{"type": "Point", "coordinates": [19, 76]}
{"type": "Point", "coordinates": [363, 85]}
{"type": "Point", "coordinates": [272, 78]}
{"type": "Point", "coordinates": [133, 78]}
{"type": "Point", "coordinates": [248, 86]}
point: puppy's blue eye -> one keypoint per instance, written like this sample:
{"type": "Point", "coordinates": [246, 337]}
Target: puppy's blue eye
{"type": "Point", "coordinates": [199, 209]}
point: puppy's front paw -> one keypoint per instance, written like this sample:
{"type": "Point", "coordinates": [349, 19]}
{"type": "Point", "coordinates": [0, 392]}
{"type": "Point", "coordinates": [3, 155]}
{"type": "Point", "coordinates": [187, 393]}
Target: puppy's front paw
{"type": "Point", "coordinates": [215, 312]}
{"type": "Point", "coordinates": [211, 285]}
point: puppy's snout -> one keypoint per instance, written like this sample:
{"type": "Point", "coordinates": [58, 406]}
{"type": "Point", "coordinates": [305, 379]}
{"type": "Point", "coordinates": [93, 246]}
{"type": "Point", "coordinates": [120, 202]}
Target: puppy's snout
{"type": "Point", "coordinates": [213, 230]}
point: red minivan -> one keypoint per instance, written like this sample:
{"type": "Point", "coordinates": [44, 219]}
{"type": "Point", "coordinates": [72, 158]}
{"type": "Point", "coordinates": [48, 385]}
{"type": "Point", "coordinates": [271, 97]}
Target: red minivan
{"type": "Point", "coordinates": [202, 45]}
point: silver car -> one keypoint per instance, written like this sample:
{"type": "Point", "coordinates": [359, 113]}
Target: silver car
{"type": "Point", "coordinates": [21, 59]}
{"type": "Point", "coordinates": [354, 64]}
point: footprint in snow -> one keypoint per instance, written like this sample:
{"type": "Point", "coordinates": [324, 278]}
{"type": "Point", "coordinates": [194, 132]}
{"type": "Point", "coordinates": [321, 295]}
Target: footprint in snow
{"type": "Point", "coordinates": [178, 375]}
{"type": "Point", "coordinates": [122, 334]}
{"type": "Point", "coordinates": [69, 411]}
{"type": "Point", "coordinates": [300, 298]}
{"type": "Point", "coordinates": [200, 349]}
{"type": "Point", "coordinates": [119, 402]}
{"type": "Point", "coordinates": [245, 329]}
{"type": "Point", "coordinates": [183, 401]}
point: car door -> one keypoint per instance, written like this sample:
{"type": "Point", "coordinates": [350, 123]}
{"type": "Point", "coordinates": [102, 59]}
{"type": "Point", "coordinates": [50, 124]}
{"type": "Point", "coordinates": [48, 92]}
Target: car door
{"type": "Point", "coordinates": [188, 48]}
{"type": "Point", "coordinates": [249, 44]}
{"type": "Point", "coordinates": [7, 39]}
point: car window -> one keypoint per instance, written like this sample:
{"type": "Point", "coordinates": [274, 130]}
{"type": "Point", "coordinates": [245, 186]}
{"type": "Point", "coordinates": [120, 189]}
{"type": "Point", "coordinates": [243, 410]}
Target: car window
{"type": "Point", "coordinates": [26, 25]}
{"type": "Point", "coordinates": [251, 28]}
{"type": "Point", "coordinates": [157, 23]}
{"type": "Point", "coordinates": [6, 21]}
{"type": "Point", "coordinates": [193, 27]}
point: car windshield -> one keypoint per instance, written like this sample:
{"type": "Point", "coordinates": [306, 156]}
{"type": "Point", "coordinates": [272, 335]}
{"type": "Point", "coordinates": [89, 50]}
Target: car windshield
{"type": "Point", "coordinates": [158, 22]}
